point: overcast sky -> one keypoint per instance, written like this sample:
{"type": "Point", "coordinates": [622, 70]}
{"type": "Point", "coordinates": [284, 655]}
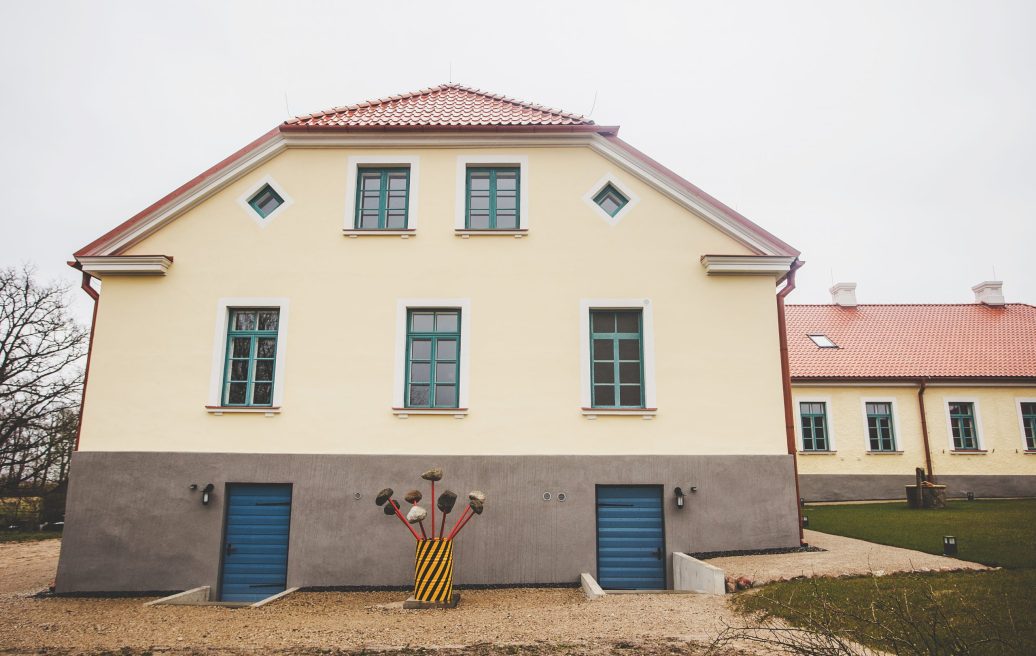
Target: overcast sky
{"type": "Point", "coordinates": [893, 143]}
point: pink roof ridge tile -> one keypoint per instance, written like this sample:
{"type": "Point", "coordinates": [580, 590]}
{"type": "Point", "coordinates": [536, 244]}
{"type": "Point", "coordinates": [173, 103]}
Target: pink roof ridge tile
{"type": "Point", "coordinates": [919, 340]}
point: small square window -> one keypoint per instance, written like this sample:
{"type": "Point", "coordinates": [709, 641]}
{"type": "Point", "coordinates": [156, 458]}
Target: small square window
{"type": "Point", "coordinates": [610, 200]}
{"type": "Point", "coordinates": [823, 341]}
{"type": "Point", "coordinates": [265, 201]}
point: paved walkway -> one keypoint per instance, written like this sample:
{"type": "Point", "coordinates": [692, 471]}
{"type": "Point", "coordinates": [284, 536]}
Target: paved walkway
{"type": "Point", "coordinates": [844, 556]}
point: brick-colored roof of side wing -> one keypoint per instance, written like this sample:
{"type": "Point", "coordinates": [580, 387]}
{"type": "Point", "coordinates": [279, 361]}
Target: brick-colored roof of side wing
{"type": "Point", "coordinates": [913, 341]}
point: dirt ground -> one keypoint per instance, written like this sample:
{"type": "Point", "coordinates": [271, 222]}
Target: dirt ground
{"type": "Point", "coordinates": [509, 621]}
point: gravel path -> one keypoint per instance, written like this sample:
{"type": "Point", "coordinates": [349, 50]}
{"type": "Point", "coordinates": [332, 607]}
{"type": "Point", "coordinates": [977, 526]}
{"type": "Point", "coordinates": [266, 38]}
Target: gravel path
{"type": "Point", "coordinates": [844, 556]}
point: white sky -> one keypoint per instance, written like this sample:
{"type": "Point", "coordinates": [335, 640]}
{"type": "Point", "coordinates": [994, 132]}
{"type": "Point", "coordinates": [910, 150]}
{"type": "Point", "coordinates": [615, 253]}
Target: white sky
{"type": "Point", "coordinates": [894, 143]}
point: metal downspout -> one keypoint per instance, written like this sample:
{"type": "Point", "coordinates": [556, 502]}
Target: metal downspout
{"type": "Point", "coordinates": [92, 293]}
{"type": "Point", "coordinates": [922, 386]}
{"type": "Point", "coordinates": [789, 415]}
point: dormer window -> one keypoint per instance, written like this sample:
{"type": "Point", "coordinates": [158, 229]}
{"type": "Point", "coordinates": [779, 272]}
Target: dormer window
{"type": "Point", "coordinates": [265, 201]}
{"type": "Point", "coordinates": [823, 341]}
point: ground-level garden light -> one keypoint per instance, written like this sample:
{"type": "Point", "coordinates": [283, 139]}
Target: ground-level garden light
{"type": "Point", "coordinates": [949, 545]}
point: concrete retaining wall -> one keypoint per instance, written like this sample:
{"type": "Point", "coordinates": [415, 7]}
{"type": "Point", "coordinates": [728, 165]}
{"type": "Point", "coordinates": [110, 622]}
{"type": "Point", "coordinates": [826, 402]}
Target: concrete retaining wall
{"type": "Point", "coordinates": [133, 523]}
{"type": "Point", "coordinates": [697, 576]}
{"type": "Point", "coordinates": [850, 487]}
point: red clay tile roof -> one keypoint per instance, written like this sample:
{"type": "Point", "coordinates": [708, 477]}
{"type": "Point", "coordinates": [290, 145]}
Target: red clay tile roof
{"type": "Point", "coordinates": [447, 105]}
{"type": "Point", "coordinates": [913, 341]}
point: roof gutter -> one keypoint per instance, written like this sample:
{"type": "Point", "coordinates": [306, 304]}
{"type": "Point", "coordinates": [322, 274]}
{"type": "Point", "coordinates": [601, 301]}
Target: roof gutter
{"type": "Point", "coordinates": [789, 415]}
{"type": "Point", "coordinates": [921, 387]}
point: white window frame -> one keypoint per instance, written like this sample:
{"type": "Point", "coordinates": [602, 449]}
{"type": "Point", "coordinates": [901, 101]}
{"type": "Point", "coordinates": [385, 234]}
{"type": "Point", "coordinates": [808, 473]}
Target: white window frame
{"type": "Point", "coordinates": [1018, 401]}
{"type": "Point", "coordinates": [979, 433]}
{"type": "Point", "coordinates": [510, 160]}
{"type": "Point", "coordinates": [866, 428]}
{"type": "Point", "coordinates": [587, 305]}
{"type": "Point", "coordinates": [253, 189]}
{"type": "Point", "coordinates": [355, 163]}
{"type": "Point", "coordinates": [832, 446]}
{"type": "Point", "coordinates": [219, 352]}
{"type": "Point", "coordinates": [623, 188]}
{"type": "Point", "coordinates": [403, 306]}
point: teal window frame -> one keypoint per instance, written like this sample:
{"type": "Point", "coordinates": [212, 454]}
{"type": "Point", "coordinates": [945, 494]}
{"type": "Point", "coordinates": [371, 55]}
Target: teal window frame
{"type": "Point", "coordinates": [816, 430]}
{"type": "Point", "coordinates": [254, 359]}
{"type": "Point", "coordinates": [1028, 410]}
{"type": "Point", "coordinates": [435, 336]}
{"type": "Point", "coordinates": [384, 174]}
{"type": "Point", "coordinates": [881, 430]}
{"type": "Point", "coordinates": [619, 197]}
{"type": "Point", "coordinates": [601, 379]}
{"type": "Point", "coordinates": [493, 196]}
{"type": "Point", "coordinates": [254, 203]}
{"type": "Point", "coordinates": [963, 427]}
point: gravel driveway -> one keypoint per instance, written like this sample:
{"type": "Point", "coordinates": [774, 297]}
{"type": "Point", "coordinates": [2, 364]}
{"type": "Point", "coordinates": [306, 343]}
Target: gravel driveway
{"type": "Point", "coordinates": [517, 620]}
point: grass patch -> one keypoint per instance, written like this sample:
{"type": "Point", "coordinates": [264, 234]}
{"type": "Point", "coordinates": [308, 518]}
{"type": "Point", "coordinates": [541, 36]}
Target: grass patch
{"type": "Point", "coordinates": [937, 613]}
{"type": "Point", "coordinates": [28, 536]}
{"type": "Point", "coordinates": [993, 532]}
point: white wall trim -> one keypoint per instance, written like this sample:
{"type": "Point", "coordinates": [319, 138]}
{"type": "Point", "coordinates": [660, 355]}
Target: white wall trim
{"type": "Point", "coordinates": [896, 444]}
{"type": "Point", "coordinates": [832, 445]}
{"type": "Point", "coordinates": [154, 265]}
{"type": "Point", "coordinates": [352, 169]}
{"type": "Point", "coordinates": [219, 343]}
{"type": "Point", "coordinates": [1018, 401]}
{"type": "Point", "coordinates": [766, 265]}
{"type": "Point", "coordinates": [643, 304]}
{"type": "Point", "coordinates": [511, 159]}
{"type": "Point", "coordinates": [979, 433]}
{"type": "Point", "coordinates": [622, 187]}
{"type": "Point", "coordinates": [399, 382]}
{"type": "Point", "coordinates": [253, 187]}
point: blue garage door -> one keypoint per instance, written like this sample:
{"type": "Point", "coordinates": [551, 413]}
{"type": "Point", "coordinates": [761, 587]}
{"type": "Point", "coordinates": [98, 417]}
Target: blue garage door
{"type": "Point", "coordinates": [630, 538]}
{"type": "Point", "coordinates": [255, 546]}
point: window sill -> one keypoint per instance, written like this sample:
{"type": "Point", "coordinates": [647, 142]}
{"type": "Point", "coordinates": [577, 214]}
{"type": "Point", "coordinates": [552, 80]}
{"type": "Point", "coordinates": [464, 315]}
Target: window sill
{"type": "Point", "coordinates": [353, 233]}
{"type": "Point", "coordinates": [465, 233]}
{"type": "Point", "coordinates": [884, 453]}
{"type": "Point", "coordinates": [968, 452]}
{"type": "Point", "coordinates": [219, 410]}
{"type": "Point", "coordinates": [643, 413]}
{"type": "Point", "coordinates": [817, 453]}
{"type": "Point", "coordinates": [456, 413]}
{"type": "Point", "coordinates": [1030, 452]}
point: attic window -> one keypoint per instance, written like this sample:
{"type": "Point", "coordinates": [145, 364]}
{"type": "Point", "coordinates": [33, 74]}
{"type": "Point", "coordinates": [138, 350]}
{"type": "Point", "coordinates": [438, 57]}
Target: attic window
{"type": "Point", "coordinates": [823, 341]}
{"type": "Point", "coordinates": [265, 201]}
{"type": "Point", "coordinates": [610, 200]}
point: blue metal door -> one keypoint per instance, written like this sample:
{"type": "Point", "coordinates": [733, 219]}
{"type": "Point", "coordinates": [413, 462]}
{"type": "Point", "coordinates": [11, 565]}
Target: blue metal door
{"type": "Point", "coordinates": [255, 543]}
{"type": "Point", "coordinates": [630, 537]}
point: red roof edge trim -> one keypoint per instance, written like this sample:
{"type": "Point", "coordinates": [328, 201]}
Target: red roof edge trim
{"type": "Point", "coordinates": [139, 217]}
{"type": "Point", "coordinates": [779, 246]}
{"type": "Point", "coordinates": [605, 130]}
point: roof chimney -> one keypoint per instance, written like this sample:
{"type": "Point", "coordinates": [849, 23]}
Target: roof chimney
{"type": "Point", "coordinates": [990, 292]}
{"type": "Point", "coordinates": [844, 294]}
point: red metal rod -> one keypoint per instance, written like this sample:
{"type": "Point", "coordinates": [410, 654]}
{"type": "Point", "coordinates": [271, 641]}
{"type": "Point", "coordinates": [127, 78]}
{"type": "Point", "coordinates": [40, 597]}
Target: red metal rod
{"type": "Point", "coordinates": [423, 534]}
{"type": "Point", "coordinates": [442, 526]}
{"type": "Point", "coordinates": [458, 529]}
{"type": "Point", "coordinates": [433, 511]}
{"type": "Point", "coordinates": [403, 519]}
{"type": "Point", "coordinates": [461, 519]}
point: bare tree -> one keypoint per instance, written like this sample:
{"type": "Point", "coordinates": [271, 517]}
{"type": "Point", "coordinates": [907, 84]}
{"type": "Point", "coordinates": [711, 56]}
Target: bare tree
{"type": "Point", "coordinates": [41, 379]}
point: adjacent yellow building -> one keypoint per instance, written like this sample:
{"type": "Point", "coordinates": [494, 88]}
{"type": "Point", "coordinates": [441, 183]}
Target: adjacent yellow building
{"type": "Point", "coordinates": [444, 278]}
{"type": "Point", "coordinates": [880, 390]}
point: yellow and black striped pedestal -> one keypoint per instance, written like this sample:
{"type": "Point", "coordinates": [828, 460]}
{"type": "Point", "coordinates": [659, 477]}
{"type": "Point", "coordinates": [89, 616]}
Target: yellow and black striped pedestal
{"type": "Point", "coordinates": [433, 575]}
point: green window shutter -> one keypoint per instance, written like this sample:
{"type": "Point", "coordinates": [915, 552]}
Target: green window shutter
{"type": "Point", "coordinates": [251, 357]}
{"type": "Point", "coordinates": [879, 427]}
{"type": "Point", "coordinates": [433, 358]}
{"type": "Point", "coordinates": [813, 415]}
{"type": "Point", "coordinates": [492, 198]}
{"type": "Point", "coordinates": [962, 426]}
{"type": "Point", "coordinates": [382, 198]}
{"type": "Point", "coordinates": [616, 359]}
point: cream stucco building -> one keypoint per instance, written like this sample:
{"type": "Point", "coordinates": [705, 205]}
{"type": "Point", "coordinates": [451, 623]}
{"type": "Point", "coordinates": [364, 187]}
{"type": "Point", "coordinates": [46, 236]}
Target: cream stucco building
{"type": "Point", "coordinates": [444, 278]}
{"type": "Point", "coordinates": [880, 390]}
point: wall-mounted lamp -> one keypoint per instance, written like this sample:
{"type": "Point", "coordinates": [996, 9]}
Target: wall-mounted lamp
{"type": "Point", "coordinates": [206, 494]}
{"type": "Point", "coordinates": [679, 497]}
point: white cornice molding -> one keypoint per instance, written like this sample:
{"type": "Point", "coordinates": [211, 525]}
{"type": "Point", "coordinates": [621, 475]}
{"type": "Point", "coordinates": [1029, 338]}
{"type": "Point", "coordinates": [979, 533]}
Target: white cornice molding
{"type": "Point", "coordinates": [751, 265]}
{"type": "Point", "coordinates": [281, 141]}
{"type": "Point", "coordinates": [148, 265]}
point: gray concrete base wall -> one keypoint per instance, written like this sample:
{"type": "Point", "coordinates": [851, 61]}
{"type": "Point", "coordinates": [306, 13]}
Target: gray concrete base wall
{"type": "Point", "coordinates": [132, 523]}
{"type": "Point", "coordinates": [860, 487]}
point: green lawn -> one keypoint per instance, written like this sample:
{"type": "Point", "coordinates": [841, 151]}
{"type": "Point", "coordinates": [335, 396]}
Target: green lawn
{"type": "Point", "coordinates": [28, 536]}
{"type": "Point", "coordinates": [937, 613]}
{"type": "Point", "coordinates": [999, 533]}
